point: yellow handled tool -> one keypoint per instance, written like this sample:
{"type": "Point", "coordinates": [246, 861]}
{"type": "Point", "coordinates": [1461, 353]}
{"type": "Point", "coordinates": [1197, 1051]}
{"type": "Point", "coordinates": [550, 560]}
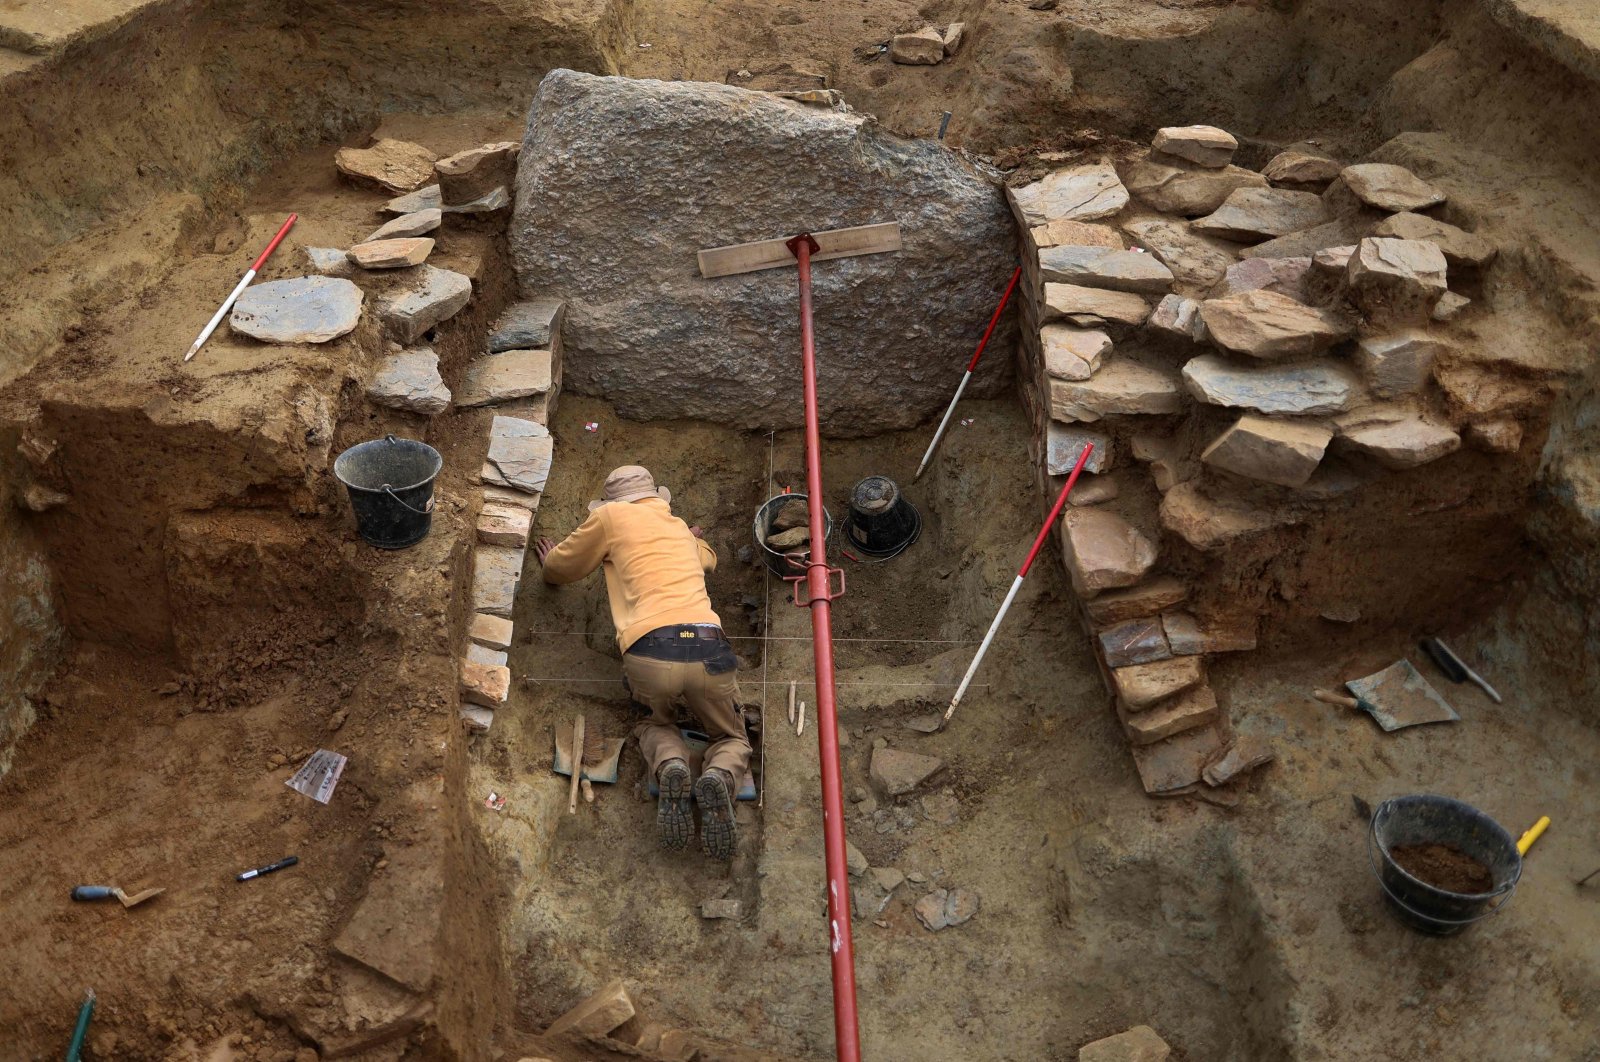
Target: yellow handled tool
{"type": "Point", "coordinates": [1535, 832]}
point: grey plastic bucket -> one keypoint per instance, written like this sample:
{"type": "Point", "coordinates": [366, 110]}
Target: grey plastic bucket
{"type": "Point", "coordinates": [390, 482]}
{"type": "Point", "coordinates": [775, 561]}
{"type": "Point", "coordinates": [1426, 819]}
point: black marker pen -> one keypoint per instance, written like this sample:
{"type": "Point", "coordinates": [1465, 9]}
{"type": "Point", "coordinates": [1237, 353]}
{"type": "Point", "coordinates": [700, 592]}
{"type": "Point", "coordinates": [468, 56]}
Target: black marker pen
{"type": "Point", "coordinates": [286, 861]}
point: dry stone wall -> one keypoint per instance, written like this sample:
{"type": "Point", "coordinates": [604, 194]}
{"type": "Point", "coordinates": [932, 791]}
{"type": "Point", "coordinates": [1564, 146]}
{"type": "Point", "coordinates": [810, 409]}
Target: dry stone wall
{"type": "Point", "coordinates": [1256, 358]}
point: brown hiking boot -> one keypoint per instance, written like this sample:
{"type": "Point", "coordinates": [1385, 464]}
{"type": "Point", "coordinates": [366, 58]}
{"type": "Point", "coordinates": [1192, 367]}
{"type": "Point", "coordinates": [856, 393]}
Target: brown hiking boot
{"type": "Point", "coordinates": [714, 792]}
{"type": "Point", "coordinates": [673, 818]}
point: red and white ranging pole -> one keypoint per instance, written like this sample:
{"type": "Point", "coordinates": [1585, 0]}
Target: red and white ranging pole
{"type": "Point", "coordinates": [1016, 584]}
{"type": "Point", "coordinates": [967, 376]}
{"type": "Point", "coordinates": [250, 274]}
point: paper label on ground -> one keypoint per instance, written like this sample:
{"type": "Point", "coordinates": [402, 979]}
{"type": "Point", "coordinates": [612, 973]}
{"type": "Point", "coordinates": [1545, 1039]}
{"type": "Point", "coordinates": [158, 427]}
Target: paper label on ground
{"type": "Point", "coordinates": [318, 775]}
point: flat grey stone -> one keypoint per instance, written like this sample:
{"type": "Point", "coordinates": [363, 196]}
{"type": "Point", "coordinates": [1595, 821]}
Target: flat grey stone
{"type": "Point", "coordinates": [416, 223]}
{"type": "Point", "coordinates": [517, 428]}
{"type": "Point", "coordinates": [1250, 215]}
{"type": "Point", "coordinates": [496, 570]}
{"type": "Point", "coordinates": [1119, 386]}
{"type": "Point", "coordinates": [1093, 307]}
{"type": "Point", "coordinates": [1269, 325]}
{"type": "Point", "coordinates": [1195, 259]}
{"type": "Point", "coordinates": [503, 377]}
{"type": "Point", "coordinates": [430, 296]}
{"type": "Point", "coordinates": [531, 325]}
{"type": "Point", "coordinates": [1308, 388]}
{"type": "Point", "coordinates": [519, 462]}
{"type": "Point", "coordinates": [480, 654]}
{"type": "Point", "coordinates": [428, 198]}
{"type": "Point", "coordinates": [298, 310]}
{"type": "Point", "coordinates": [410, 380]}
{"type": "Point", "coordinates": [1103, 267]}
{"type": "Point", "coordinates": [1064, 444]}
{"type": "Point", "coordinates": [1082, 193]}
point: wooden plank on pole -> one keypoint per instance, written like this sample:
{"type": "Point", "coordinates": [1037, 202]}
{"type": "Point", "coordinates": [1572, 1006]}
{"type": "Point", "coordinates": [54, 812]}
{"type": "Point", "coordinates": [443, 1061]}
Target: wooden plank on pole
{"type": "Point", "coordinates": [771, 254]}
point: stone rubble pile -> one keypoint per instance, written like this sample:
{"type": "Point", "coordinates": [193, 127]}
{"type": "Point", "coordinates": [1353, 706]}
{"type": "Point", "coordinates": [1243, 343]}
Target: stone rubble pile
{"type": "Point", "coordinates": [1263, 343]}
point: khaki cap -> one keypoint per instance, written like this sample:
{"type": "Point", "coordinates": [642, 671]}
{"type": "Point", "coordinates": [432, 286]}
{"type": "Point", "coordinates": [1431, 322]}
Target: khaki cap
{"type": "Point", "coordinates": [630, 483]}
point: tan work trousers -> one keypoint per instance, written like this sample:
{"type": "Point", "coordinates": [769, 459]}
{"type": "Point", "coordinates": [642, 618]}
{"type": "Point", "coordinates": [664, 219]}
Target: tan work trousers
{"type": "Point", "coordinates": [660, 685]}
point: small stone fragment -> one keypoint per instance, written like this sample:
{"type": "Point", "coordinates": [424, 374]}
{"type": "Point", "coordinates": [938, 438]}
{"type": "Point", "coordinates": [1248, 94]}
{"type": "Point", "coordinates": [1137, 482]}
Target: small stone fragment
{"type": "Point", "coordinates": [953, 36]}
{"type": "Point", "coordinates": [896, 773]}
{"type": "Point", "coordinates": [1250, 215]}
{"type": "Point", "coordinates": [1449, 306]}
{"type": "Point", "coordinates": [1398, 364]}
{"type": "Point", "coordinates": [925, 47]}
{"type": "Point", "coordinates": [1267, 325]}
{"type": "Point", "coordinates": [504, 377]}
{"type": "Point", "coordinates": [410, 380]}
{"type": "Point", "coordinates": [431, 295]}
{"type": "Point", "coordinates": [1203, 145]}
{"type": "Point", "coordinates": [1102, 267]}
{"type": "Point", "coordinates": [1142, 685]}
{"type": "Point", "coordinates": [1138, 1044]}
{"type": "Point", "coordinates": [298, 310]}
{"type": "Point", "coordinates": [1072, 353]}
{"type": "Point", "coordinates": [1119, 386]}
{"type": "Point", "coordinates": [1387, 187]}
{"type": "Point", "coordinates": [485, 684]}
{"type": "Point", "coordinates": [714, 909]}
{"type": "Point", "coordinates": [1104, 551]}
{"type": "Point", "coordinates": [390, 165]}
{"type": "Point", "coordinates": [1273, 451]}
{"type": "Point", "coordinates": [942, 808]}
{"type": "Point", "coordinates": [855, 860]}
{"type": "Point", "coordinates": [1175, 317]}
{"type": "Point", "coordinates": [38, 498]}
{"type": "Point", "coordinates": [1243, 755]}
{"type": "Point", "coordinates": [887, 878]}
{"type": "Point", "coordinates": [1300, 169]}
{"type": "Point", "coordinates": [329, 261]}
{"type": "Point", "coordinates": [1499, 436]}
{"type": "Point", "coordinates": [504, 525]}
{"type": "Point", "coordinates": [1304, 388]}
{"type": "Point", "coordinates": [942, 908]}
{"type": "Point", "coordinates": [494, 632]}
{"type": "Point", "coordinates": [1080, 193]}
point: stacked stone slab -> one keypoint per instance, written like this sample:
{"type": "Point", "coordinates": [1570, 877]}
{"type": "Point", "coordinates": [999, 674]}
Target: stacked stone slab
{"type": "Point", "coordinates": [521, 374]}
{"type": "Point", "coordinates": [1233, 332]}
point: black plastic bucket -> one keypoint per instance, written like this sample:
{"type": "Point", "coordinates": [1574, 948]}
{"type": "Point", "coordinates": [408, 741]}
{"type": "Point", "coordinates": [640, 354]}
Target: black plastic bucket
{"type": "Point", "coordinates": [776, 562]}
{"type": "Point", "coordinates": [882, 523]}
{"type": "Point", "coordinates": [390, 482]}
{"type": "Point", "coordinates": [1425, 819]}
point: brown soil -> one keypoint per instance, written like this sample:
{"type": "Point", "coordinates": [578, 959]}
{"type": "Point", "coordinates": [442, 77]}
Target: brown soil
{"type": "Point", "coordinates": [1444, 867]}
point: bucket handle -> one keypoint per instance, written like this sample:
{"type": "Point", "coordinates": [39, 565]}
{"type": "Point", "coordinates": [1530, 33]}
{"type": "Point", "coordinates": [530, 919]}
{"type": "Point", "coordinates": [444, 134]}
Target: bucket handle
{"type": "Point", "coordinates": [424, 511]}
{"type": "Point", "coordinates": [1373, 846]}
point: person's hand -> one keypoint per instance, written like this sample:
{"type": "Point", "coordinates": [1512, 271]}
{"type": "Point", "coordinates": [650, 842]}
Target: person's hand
{"type": "Point", "coordinates": [697, 531]}
{"type": "Point", "coordinates": [542, 548]}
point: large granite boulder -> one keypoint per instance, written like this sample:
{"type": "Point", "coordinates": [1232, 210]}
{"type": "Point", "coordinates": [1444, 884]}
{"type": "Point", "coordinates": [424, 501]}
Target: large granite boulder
{"type": "Point", "coordinates": [620, 182]}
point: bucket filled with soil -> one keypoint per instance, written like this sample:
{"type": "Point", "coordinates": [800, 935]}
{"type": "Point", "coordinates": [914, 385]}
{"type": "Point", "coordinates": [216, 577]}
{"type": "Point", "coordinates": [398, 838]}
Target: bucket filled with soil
{"type": "Point", "coordinates": [390, 482]}
{"type": "Point", "coordinates": [783, 533]}
{"type": "Point", "coordinates": [1442, 864]}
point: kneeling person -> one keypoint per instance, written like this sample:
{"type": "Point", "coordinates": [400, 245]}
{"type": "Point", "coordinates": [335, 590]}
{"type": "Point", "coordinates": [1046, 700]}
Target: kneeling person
{"type": "Point", "coordinates": [673, 648]}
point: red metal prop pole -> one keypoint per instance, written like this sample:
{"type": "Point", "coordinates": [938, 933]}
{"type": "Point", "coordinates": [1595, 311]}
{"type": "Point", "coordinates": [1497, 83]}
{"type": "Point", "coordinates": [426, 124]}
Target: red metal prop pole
{"type": "Point", "coordinates": [819, 594]}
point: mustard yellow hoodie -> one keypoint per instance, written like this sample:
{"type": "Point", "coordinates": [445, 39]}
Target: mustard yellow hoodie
{"type": "Point", "coordinates": [655, 569]}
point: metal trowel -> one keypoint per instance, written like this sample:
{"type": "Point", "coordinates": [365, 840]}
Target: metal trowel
{"type": "Point", "coordinates": [105, 892]}
{"type": "Point", "coordinates": [1398, 696]}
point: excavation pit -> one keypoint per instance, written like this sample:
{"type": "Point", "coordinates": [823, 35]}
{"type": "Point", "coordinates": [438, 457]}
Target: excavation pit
{"type": "Point", "coordinates": [189, 612]}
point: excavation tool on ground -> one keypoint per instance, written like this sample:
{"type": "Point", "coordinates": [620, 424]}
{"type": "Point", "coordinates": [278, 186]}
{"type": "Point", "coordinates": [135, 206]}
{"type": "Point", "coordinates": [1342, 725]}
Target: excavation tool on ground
{"type": "Point", "coordinates": [1456, 669]}
{"type": "Point", "coordinates": [819, 581]}
{"type": "Point", "coordinates": [1534, 832]}
{"type": "Point", "coordinates": [249, 275]}
{"type": "Point", "coordinates": [1397, 697]}
{"type": "Point", "coordinates": [106, 892]}
{"type": "Point", "coordinates": [966, 377]}
{"type": "Point", "coordinates": [1016, 584]}
{"type": "Point", "coordinates": [80, 1031]}
{"type": "Point", "coordinates": [601, 755]}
